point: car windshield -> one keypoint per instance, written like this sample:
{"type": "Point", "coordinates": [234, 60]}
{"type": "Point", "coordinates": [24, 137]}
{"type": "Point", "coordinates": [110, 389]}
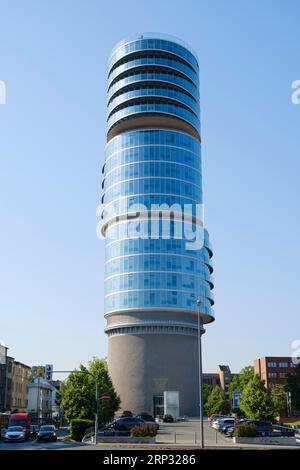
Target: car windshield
{"type": "Point", "coordinates": [18, 422]}
{"type": "Point", "coordinates": [15, 429]}
{"type": "Point", "coordinates": [46, 428]}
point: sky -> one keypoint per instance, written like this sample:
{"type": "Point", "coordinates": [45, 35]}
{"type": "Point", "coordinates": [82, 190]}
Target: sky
{"type": "Point", "coordinates": [53, 61]}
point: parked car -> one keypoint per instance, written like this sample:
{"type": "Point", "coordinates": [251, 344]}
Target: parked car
{"type": "Point", "coordinates": [212, 417]}
{"type": "Point", "coordinates": [218, 423]}
{"type": "Point", "coordinates": [15, 434]}
{"type": "Point", "coordinates": [224, 427]}
{"type": "Point", "coordinates": [126, 423]}
{"type": "Point", "coordinates": [215, 416]}
{"type": "Point", "coordinates": [122, 426]}
{"type": "Point", "coordinates": [264, 427]}
{"type": "Point", "coordinates": [168, 419]}
{"type": "Point", "coordinates": [126, 414]}
{"type": "Point", "coordinates": [110, 431]}
{"type": "Point", "coordinates": [148, 419]}
{"type": "Point", "coordinates": [229, 431]}
{"type": "Point", "coordinates": [47, 433]}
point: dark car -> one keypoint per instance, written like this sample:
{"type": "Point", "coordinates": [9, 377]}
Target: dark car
{"type": "Point", "coordinates": [34, 428]}
{"type": "Point", "coordinates": [148, 419]}
{"type": "Point", "coordinates": [121, 427]}
{"type": "Point", "coordinates": [127, 414]}
{"type": "Point", "coordinates": [126, 423]}
{"type": "Point", "coordinates": [265, 428]}
{"type": "Point", "coordinates": [111, 431]}
{"type": "Point", "coordinates": [168, 419]}
{"type": "Point", "coordinates": [223, 428]}
{"type": "Point", "coordinates": [229, 431]}
{"type": "Point", "coordinates": [47, 433]}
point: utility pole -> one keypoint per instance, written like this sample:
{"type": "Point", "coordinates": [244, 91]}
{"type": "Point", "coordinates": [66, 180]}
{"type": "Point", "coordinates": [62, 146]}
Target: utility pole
{"type": "Point", "coordinates": [201, 331]}
{"type": "Point", "coordinates": [38, 402]}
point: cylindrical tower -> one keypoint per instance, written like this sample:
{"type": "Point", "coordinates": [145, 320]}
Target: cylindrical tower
{"type": "Point", "coordinates": [152, 283]}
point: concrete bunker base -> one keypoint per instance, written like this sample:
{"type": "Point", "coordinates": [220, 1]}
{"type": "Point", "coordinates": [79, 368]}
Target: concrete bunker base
{"type": "Point", "coordinates": [145, 365]}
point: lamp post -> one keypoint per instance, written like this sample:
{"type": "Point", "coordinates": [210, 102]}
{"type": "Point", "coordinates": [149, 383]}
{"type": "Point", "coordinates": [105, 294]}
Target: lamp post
{"type": "Point", "coordinates": [201, 331]}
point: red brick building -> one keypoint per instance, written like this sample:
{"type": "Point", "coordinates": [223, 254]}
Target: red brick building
{"type": "Point", "coordinates": [274, 370]}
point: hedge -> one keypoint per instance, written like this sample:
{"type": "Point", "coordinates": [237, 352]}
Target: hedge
{"type": "Point", "coordinates": [78, 428]}
{"type": "Point", "coordinates": [247, 430]}
{"type": "Point", "coordinates": [143, 430]}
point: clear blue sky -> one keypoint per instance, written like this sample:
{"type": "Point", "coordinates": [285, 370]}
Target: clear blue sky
{"type": "Point", "coordinates": [53, 59]}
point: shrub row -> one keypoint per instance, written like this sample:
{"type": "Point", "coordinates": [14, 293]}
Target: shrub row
{"type": "Point", "coordinates": [78, 428]}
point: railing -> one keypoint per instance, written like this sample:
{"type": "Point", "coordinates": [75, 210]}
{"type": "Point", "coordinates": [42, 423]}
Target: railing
{"type": "Point", "coordinates": [285, 430]}
{"type": "Point", "coordinates": [89, 434]}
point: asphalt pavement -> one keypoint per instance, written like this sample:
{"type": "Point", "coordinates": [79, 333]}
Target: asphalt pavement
{"type": "Point", "coordinates": [32, 444]}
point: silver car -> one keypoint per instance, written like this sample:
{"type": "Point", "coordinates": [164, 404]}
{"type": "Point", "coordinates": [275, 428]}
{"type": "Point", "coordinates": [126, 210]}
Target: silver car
{"type": "Point", "coordinates": [15, 434]}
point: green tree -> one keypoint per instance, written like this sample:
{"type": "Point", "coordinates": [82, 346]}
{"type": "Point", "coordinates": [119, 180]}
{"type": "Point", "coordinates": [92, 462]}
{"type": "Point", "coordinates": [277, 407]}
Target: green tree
{"type": "Point", "coordinates": [238, 384]}
{"type": "Point", "coordinates": [216, 402]}
{"type": "Point", "coordinates": [107, 408]}
{"type": "Point", "coordinates": [206, 392]}
{"type": "Point", "coordinates": [240, 380]}
{"type": "Point", "coordinates": [293, 386]}
{"type": "Point", "coordinates": [32, 373]}
{"type": "Point", "coordinates": [78, 393]}
{"type": "Point", "coordinates": [256, 400]}
{"type": "Point", "coordinates": [279, 398]}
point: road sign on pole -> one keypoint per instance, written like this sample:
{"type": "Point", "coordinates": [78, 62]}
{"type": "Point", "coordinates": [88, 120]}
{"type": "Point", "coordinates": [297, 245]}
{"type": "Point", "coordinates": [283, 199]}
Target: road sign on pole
{"type": "Point", "coordinates": [48, 372]}
{"type": "Point", "coordinates": [105, 396]}
{"type": "Point", "coordinates": [236, 399]}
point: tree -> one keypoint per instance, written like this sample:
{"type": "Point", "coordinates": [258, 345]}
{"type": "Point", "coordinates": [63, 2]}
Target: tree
{"type": "Point", "coordinates": [256, 400]}
{"type": "Point", "coordinates": [216, 402]}
{"type": "Point", "coordinates": [240, 380]}
{"type": "Point", "coordinates": [278, 394]}
{"type": "Point", "coordinates": [78, 393]}
{"type": "Point", "coordinates": [32, 373]}
{"type": "Point", "coordinates": [206, 392]}
{"type": "Point", "coordinates": [107, 408]}
{"type": "Point", "coordinates": [238, 384]}
{"type": "Point", "coordinates": [293, 386]}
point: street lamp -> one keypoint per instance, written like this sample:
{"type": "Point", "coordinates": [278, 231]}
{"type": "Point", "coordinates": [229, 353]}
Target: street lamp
{"type": "Point", "coordinates": [201, 331]}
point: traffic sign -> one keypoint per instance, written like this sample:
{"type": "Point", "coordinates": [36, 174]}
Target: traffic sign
{"type": "Point", "coordinates": [105, 396]}
{"type": "Point", "coordinates": [236, 399]}
{"type": "Point", "coordinates": [48, 372]}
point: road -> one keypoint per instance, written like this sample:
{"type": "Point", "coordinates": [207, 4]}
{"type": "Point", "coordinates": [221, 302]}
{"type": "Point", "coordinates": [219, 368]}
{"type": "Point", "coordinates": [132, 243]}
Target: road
{"type": "Point", "coordinates": [32, 444]}
{"type": "Point", "coordinates": [186, 432]}
{"type": "Point", "coordinates": [170, 436]}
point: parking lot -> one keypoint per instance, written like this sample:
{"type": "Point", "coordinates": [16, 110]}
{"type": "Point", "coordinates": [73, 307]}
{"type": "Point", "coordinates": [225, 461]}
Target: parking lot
{"type": "Point", "coordinates": [188, 433]}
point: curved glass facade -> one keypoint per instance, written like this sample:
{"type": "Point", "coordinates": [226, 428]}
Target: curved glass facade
{"type": "Point", "coordinates": [153, 156]}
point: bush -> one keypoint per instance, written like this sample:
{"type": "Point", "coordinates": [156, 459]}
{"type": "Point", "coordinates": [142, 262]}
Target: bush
{"type": "Point", "coordinates": [247, 430]}
{"type": "Point", "coordinates": [78, 428]}
{"type": "Point", "coordinates": [144, 430]}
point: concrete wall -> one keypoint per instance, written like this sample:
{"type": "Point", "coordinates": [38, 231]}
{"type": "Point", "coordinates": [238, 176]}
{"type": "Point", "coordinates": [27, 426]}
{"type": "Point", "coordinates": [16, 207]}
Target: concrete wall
{"type": "Point", "coordinates": [145, 365]}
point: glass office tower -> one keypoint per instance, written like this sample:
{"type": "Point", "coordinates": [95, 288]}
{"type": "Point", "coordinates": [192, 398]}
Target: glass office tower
{"type": "Point", "coordinates": [152, 283]}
